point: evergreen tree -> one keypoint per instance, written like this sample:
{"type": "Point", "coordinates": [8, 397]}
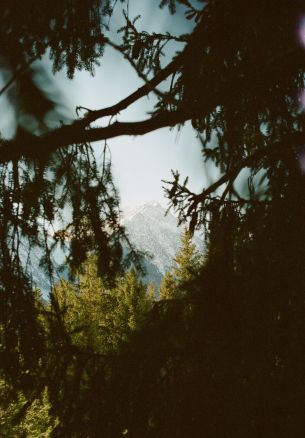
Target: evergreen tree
{"type": "Point", "coordinates": [100, 318]}
{"type": "Point", "coordinates": [95, 325]}
{"type": "Point", "coordinates": [21, 418]}
{"type": "Point", "coordinates": [151, 291]}
{"type": "Point", "coordinates": [168, 287]}
{"type": "Point", "coordinates": [87, 326]}
{"type": "Point", "coordinates": [132, 303]}
{"type": "Point", "coordinates": [187, 260]}
{"type": "Point", "coordinates": [187, 265]}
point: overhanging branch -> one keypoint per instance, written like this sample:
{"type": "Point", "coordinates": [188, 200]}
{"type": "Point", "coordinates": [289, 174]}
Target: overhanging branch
{"type": "Point", "coordinates": [133, 65]}
{"type": "Point", "coordinates": [133, 97]}
{"type": "Point", "coordinates": [32, 147]}
{"type": "Point", "coordinates": [79, 132]}
{"type": "Point", "coordinates": [27, 145]}
{"type": "Point", "coordinates": [294, 140]}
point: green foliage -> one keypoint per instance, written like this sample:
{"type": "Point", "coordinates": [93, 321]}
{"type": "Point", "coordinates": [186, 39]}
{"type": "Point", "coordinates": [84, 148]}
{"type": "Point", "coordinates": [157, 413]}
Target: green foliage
{"type": "Point", "coordinates": [21, 418]}
{"type": "Point", "coordinates": [87, 326]}
{"type": "Point", "coordinates": [187, 260]}
{"type": "Point", "coordinates": [151, 291]}
{"type": "Point", "coordinates": [133, 302]}
{"type": "Point", "coordinates": [176, 282]}
{"type": "Point", "coordinates": [38, 422]}
{"type": "Point", "coordinates": [167, 288]}
{"type": "Point", "coordinates": [99, 318]}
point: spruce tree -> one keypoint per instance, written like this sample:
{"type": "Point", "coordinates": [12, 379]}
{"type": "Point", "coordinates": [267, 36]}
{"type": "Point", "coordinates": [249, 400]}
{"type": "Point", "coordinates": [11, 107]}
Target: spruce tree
{"type": "Point", "coordinates": [97, 317]}
{"type": "Point", "coordinates": [88, 327]}
{"type": "Point", "coordinates": [186, 267]}
{"type": "Point", "coordinates": [168, 287]}
{"type": "Point", "coordinates": [151, 291]}
{"type": "Point", "coordinates": [187, 260]}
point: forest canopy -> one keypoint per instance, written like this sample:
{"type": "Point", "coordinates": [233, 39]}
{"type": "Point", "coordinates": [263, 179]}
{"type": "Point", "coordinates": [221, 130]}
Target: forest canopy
{"type": "Point", "coordinates": [228, 337]}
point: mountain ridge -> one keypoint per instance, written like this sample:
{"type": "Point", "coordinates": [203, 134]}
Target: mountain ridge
{"type": "Point", "coordinates": [153, 231]}
{"type": "Point", "coordinates": [150, 230]}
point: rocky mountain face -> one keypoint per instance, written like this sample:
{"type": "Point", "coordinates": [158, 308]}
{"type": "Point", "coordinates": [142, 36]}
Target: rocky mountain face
{"type": "Point", "coordinates": [156, 234]}
{"type": "Point", "coordinates": [149, 230]}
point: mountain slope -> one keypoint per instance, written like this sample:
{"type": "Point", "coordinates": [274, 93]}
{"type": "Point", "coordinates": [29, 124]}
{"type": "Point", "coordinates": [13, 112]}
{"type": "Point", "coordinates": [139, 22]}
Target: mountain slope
{"type": "Point", "coordinates": [149, 230]}
{"type": "Point", "coordinates": [156, 234]}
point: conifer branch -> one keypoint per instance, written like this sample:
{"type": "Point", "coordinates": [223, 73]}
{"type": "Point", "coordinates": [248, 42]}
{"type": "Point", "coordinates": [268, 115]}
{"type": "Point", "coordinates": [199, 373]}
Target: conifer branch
{"type": "Point", "coordinates": [292, 140]}
{"type": "Point", "coordinates": [133, 97]}
{"type": "Point", "coordinates": [133, 65]}
{"type": "Point", "coordinates": [31, 146]}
